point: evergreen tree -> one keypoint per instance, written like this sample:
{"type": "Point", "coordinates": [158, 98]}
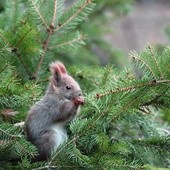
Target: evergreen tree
{"type": "Point", "coordinates": [122, 124]}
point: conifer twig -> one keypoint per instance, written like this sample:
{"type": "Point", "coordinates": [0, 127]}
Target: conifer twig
{"type": "Point", "coordinates": [50, 29]}
{"type": "Point", "coordinates": [136, 57]}
{"type": "Point", "coordinates": [20, 145]}
{"type": "Point", "coordinates": [22, 38]}
{"type": "Point", "coordinates": [45, 47]}
{"type": "Point", "coordinates": [15, 50]}
{"type": "Point", "coordinates": [74, 15]}
{"type": "Point", "coordinates": [11, 135]}
{"type": "Point", "coordinates": [155, 99]}
{"type": "Point", "coordinates": [155, 60]}
{"type": "Point", "coordinates": [81, 37]}
{"type": "Point", "coordinates": [4, 39]}
{"type": "Point", "coordinates": [56, 167]}
{"type": "Point", "coordinates": [124, 108]}
{"type": "Point", "coordinates": [71, 141]}
{"type": "Point", "coordinates": [75, 138]}
{"type": "Point", "coordinates": [148, 84]}
{"type": "Point", "coordinates": [52, 25]}
{"type": "Point", "coordinates": [52, 159]}
{"type": "Point", "coordinates": [38, 12]}
{"type": "Point", "coordinates": [6, 65]}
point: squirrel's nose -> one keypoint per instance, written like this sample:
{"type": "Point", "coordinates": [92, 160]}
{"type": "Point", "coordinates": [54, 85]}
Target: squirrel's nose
{"type": "Point", "coordinates": [82, 100]}
{"type": "Point", "coordinates": [79, 100]}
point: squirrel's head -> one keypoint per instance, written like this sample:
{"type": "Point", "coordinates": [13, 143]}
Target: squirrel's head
{"type": "Point", "coordinates": [64, 85]}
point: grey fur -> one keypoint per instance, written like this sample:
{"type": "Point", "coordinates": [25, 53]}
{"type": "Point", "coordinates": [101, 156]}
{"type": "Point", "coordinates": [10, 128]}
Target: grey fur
{"type": "Point", "coordinates": [59, 105]}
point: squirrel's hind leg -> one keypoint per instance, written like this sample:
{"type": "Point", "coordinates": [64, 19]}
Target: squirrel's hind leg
{"type": "Point", "coordinates": [45, 145]}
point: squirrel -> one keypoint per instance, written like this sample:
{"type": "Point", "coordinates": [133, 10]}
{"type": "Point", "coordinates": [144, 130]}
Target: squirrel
{"type": "Point", "coordinates": [45, 122]}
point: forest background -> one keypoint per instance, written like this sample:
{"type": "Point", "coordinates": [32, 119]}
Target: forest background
{"type": "Point", "coordinates": [125, 122]}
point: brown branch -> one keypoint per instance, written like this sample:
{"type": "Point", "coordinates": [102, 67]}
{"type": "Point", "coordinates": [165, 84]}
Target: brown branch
{"type": "Point", "coordinates": [50, 30]}
{"type": "Point", "coordinates": [148, 84]}
{"type": "Point", "coordinates": [45, 47]}
{"type": "Point", "coordinates": [15, 50]}
{"type": "Point", "coordinates": [22, 38]}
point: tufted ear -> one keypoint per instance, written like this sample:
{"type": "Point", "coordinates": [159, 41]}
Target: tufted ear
{"type": "Point", "coordinates": [59, 67]}
{"type": "Point", "coordinates": [58, 70]}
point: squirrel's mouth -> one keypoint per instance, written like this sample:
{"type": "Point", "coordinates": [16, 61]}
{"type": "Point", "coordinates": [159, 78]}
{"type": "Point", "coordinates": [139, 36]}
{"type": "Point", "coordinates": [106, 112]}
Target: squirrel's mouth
{"type": "Point", "coordinates": [68, 97]}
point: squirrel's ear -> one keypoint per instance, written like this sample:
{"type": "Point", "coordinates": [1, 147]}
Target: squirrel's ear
{"type": "Point", "coordinates": [62, 67]}
{"type": "Point", "coordinates": [57, 69]}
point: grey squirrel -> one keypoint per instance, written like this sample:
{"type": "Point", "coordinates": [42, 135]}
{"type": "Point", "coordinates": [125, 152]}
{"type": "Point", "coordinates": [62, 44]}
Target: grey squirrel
{"type": "Point", "coordinates": [45, 122]}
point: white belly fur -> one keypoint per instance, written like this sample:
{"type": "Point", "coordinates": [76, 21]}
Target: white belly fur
{"type": "Point", "coordinates": [60, 135]}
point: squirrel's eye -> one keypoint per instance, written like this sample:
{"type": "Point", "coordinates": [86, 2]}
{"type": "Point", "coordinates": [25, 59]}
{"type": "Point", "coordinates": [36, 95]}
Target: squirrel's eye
{"type": "Point", "coordinates": [68, 87]}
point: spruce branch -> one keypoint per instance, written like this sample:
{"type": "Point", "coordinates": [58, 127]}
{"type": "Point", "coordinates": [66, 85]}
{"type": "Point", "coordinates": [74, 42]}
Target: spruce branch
{"type": "Point", "coordinates": [135, 57]}
{"type": "Point", "coordinates": [45, 47]}
{"type": "Point", "coordinates": [161, 142]}
{"type": "Point", "coordinates": [67, 43]}
{"type": "Point", "coordinates": [125, 108]}
{"type": "Point", "coordinates": [23, 149]}
{"type": "Point", "coordinates": [10, 135]}
{"type": "Point", "coordinates": [6, 65]}
{"type": "Point", "coordinates": [154, 100]}
{"type": "Point", "coordinates": [4, 39]}
{"type": "Point", "coordinates": [130, 88]}
{"type": "Point", "coordinates": [50, 30]}
{"type": "Point", "coordinates": [52, 25]}
{"type": "Point", "coordinates": [155, 60]}
{"type": "Point", "coordinates": [10, 81]}
{"type": "Point", "coordinates": [131, 167]}
{"type": "Point", "coordinates": [56, 167]}
{"type": "Point", "coordinates": [67, 144]}
{"type": "Point", "coordinates": [22, 38]}
{"type": "Point", "coordinates": [18, 54]}
{"type": "Point", "coordinates": [92, 124]}
{"type": "Point", "coordinates": [15, 50]}
{"type": "Point", "coordinates": [81, 8]}
{"type": "Point", "coordinates": [94, 166]}
{"type": "Point", "coordinates": [39, 14]}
